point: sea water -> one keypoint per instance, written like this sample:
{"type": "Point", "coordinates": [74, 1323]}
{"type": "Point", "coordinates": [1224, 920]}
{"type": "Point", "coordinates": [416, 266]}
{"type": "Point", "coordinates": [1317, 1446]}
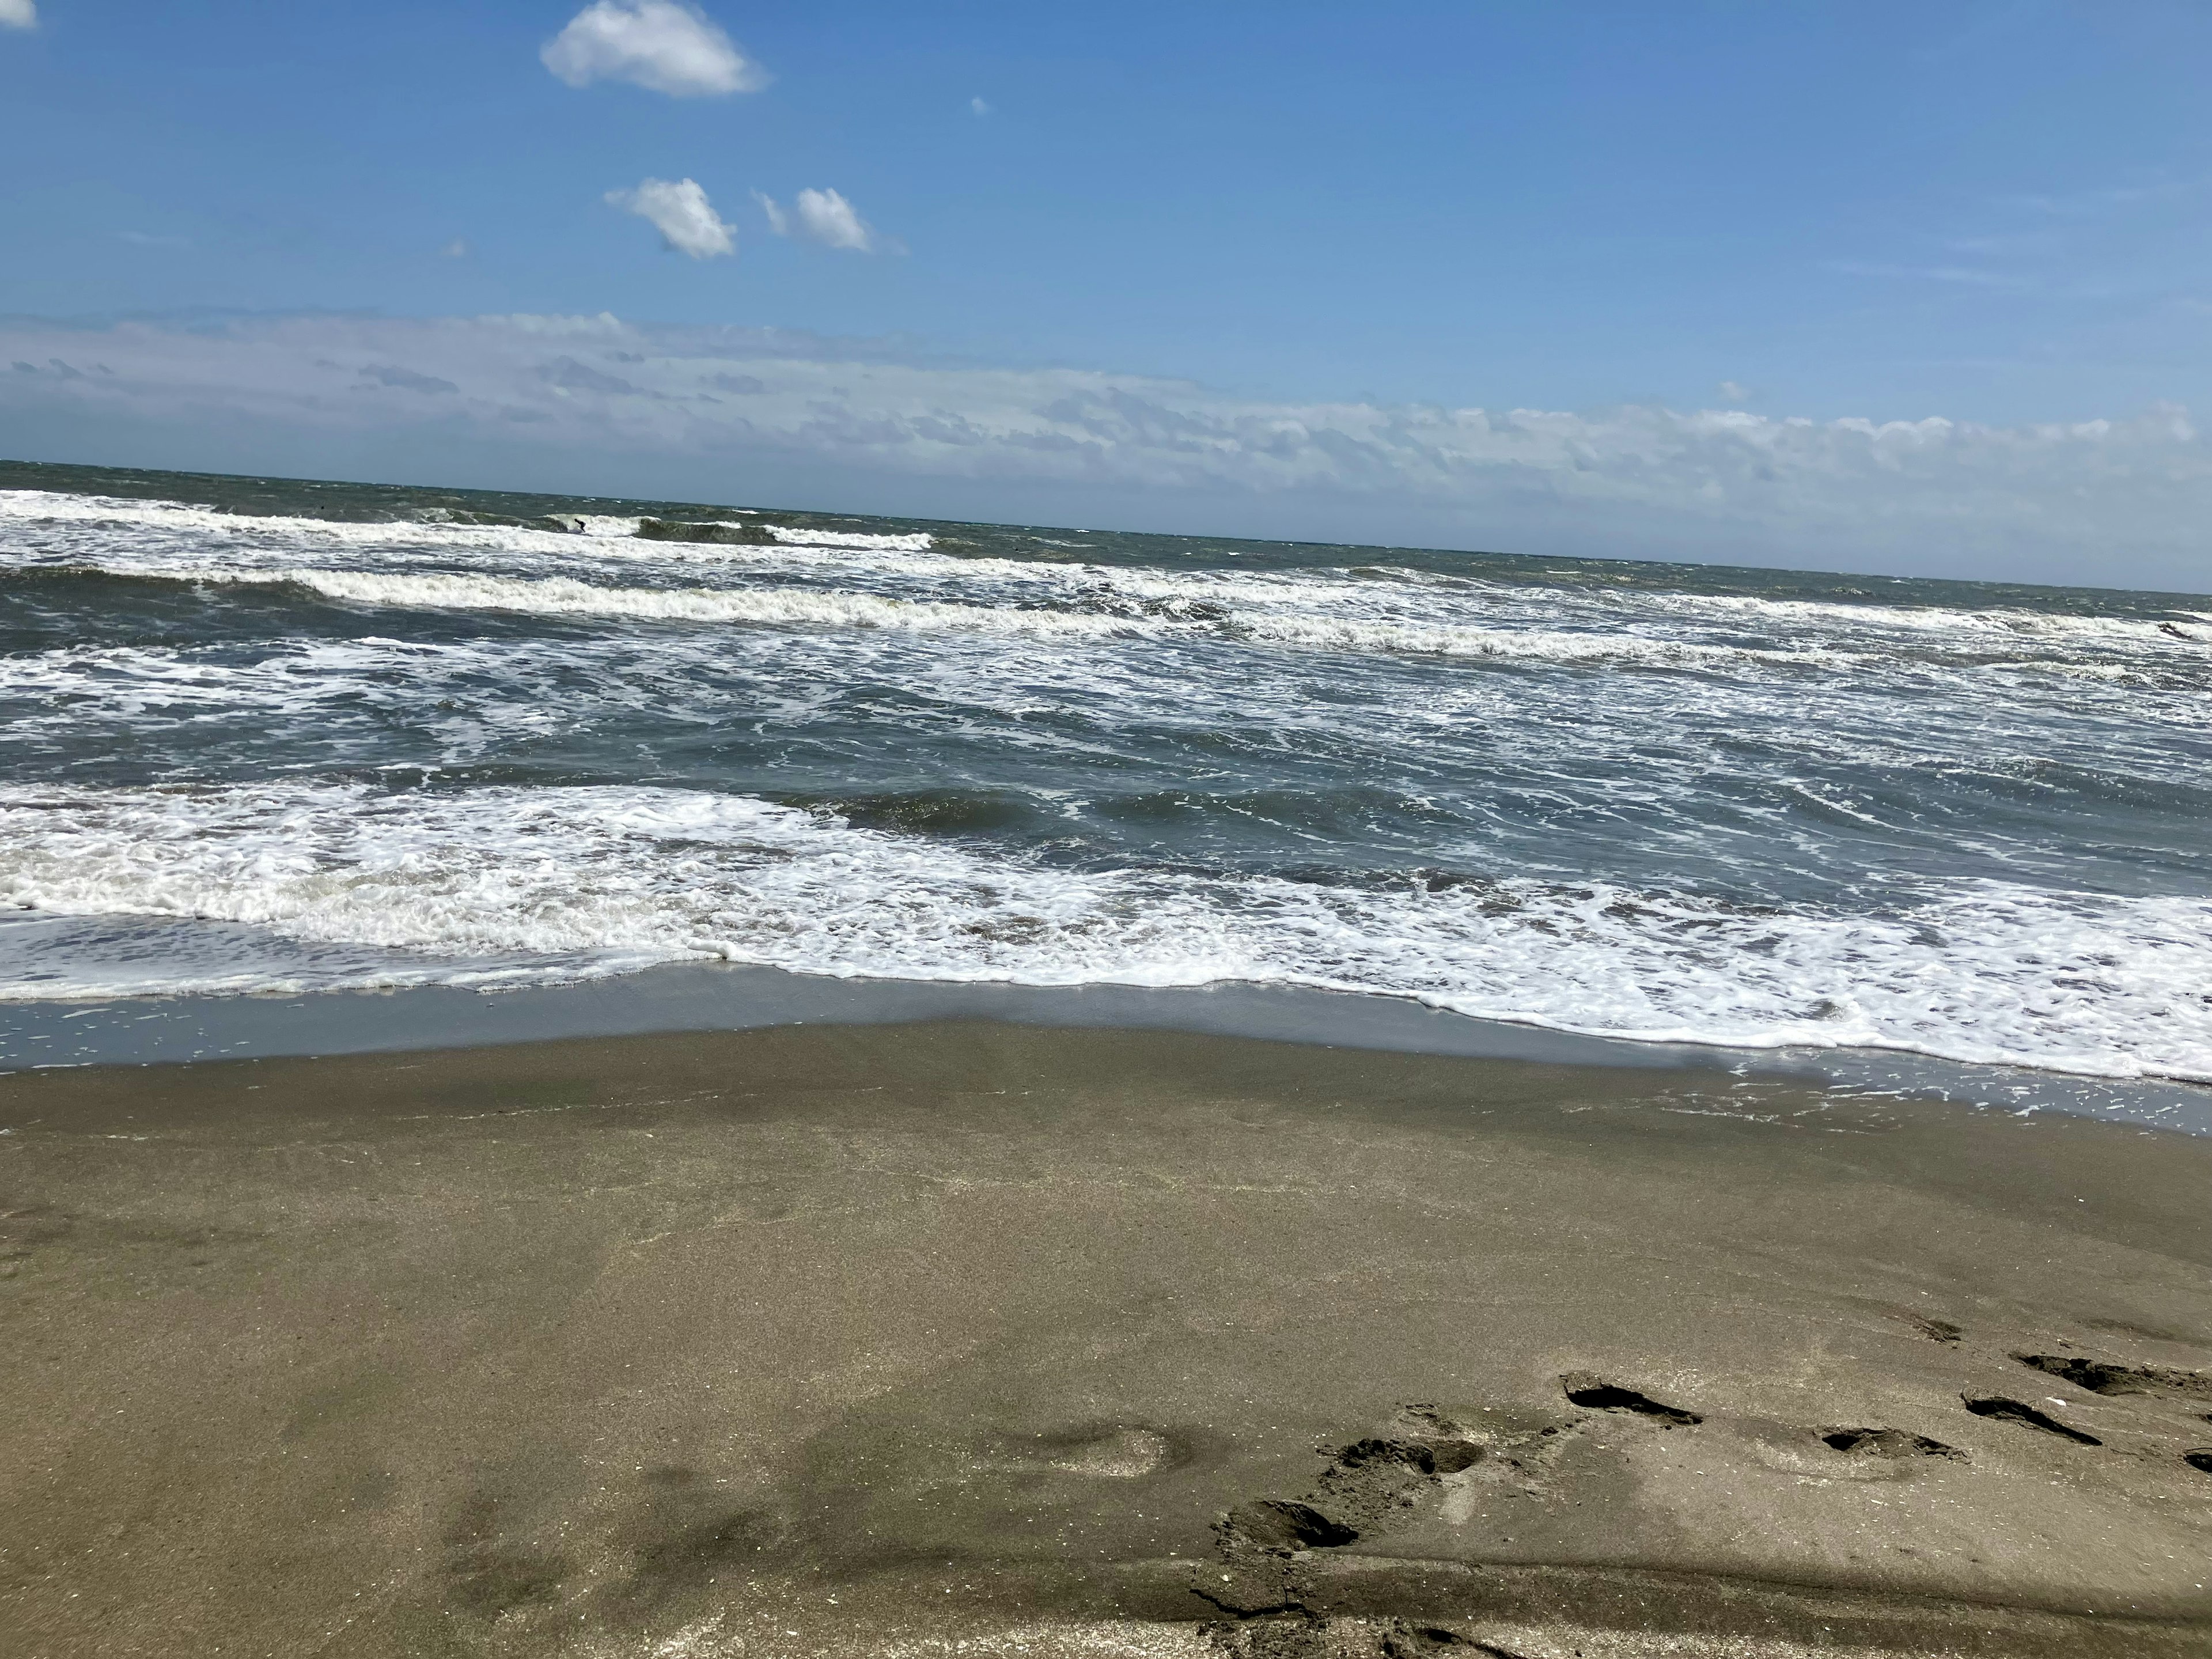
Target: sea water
{"type": "Point", "coordinates": [260, 736]}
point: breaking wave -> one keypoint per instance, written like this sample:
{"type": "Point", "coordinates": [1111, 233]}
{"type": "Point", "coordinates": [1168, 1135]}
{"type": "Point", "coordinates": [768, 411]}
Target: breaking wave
{"type": "Point", "coordinates": [516, 884]}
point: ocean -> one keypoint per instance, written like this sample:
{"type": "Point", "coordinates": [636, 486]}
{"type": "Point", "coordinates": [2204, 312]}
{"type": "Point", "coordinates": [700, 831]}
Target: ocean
{"type": "Point", "coordinates": [261, 735]}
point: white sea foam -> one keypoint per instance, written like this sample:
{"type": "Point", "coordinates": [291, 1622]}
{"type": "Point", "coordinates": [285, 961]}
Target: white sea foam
{"type": "Point", "coordinates": [797, 536]}
{"type": "Point", "coordinates": [561, 596]}
{"type": "Point", "coordinates": [1525, 644]}
{"type": "Point", "coordinates": [1371, 609]}
{"type": "Point", "coordinates": [201, 526]}
{"type": "Point", "coordinates": [2013, 621]}
{"type": "Point", "coordinates": [558, 883]}
{"type": "Point", "coordinates": [461, 697]}
{"type": "Point", "coordinates": [38, 506]}
{"type": "Point", "coordinates": [1813, 747]}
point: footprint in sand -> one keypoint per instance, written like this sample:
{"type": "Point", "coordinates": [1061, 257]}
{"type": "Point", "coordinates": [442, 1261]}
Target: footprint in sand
{"type": "Point", "coordinates": [1373, 1484]}
{"type": "Point", "coordinates": [1593, 1393]}
{"type": "Point", "coordinates": [1112, 1452]}
{"type": "Point", "coordinates": [2015, 1411]}
{"type": "Point", "coordinates": [1281, 1526]}
{"type": "Point", "coordinates": [2102, 1377]}
{"type": "Point", "coordinates": [1892, 1444]}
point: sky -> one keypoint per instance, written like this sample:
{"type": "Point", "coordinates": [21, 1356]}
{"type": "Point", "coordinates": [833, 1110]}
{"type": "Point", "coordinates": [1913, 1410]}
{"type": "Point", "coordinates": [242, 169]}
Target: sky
{"type": "Point", "coordinates": [1895, 288]}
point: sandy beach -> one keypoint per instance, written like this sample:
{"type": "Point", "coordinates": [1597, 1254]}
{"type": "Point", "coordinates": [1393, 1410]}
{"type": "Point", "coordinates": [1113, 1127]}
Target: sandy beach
{"type": "Point", "coordinates": [961, 1337]}
{"type": "Point", "coordinates": [877, 832]}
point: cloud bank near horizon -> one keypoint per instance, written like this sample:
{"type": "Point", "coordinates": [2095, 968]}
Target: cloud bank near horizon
{"type": "Point", "coordinates": [614, 405]}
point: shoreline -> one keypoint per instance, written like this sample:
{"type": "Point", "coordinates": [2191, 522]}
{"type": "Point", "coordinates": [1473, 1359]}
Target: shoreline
{"type": "Point", "coordinates": [691, 997]}
{"type": "Point", "coordinates": [1011, 1338]}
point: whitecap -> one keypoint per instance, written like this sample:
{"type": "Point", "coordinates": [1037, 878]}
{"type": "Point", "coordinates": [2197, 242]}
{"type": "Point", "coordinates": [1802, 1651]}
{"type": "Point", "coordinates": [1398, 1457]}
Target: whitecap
{"type": "Point", "coordinates": [563, 882]}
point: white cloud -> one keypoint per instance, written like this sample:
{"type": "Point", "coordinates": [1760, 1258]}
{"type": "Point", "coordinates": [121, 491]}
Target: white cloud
{"type": "Point", "coordinates": [1965, 275]}
{"type": "Point", "coordinates": [613, 406]}
{"type": "Point", "coordinates": [459, 248]}
{"type": "Point", "coordinates": [660, 45]}
{"type": "Point", "coordinates": [979, 106]}
{"type": "Point", "coordinates": [821, 215]}
{"type": "Point", "coordinates": [19, 14]}
{"type": "Point", "coordinates": [1735, 391]}
{"type": "Point", "coordinates": [830, 220]}
{"type": "Point", "coordinates": [680, 212]}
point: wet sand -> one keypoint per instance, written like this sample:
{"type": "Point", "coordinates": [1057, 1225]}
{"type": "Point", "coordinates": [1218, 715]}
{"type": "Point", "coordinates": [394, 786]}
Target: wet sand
{"type": "Point", "coordinates": [996, 1339]}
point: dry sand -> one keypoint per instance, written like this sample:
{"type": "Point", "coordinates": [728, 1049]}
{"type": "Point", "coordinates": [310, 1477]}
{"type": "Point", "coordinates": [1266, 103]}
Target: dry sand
{"type": "Point", "coordinates": [962, 1338]}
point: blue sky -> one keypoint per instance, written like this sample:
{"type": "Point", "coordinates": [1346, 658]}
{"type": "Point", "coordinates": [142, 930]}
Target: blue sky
{"type": "Point", "coordinates": [1992, 214]}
